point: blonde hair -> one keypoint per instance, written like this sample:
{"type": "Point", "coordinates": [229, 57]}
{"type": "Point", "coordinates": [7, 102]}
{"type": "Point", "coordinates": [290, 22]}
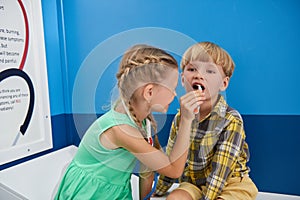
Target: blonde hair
{"type": "Point", "coordinates": [208, 52]}
{"type": "Point", "coordinates": [142, 64]}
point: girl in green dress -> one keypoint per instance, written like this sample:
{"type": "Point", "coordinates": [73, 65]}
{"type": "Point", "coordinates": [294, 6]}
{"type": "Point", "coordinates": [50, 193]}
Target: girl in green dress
{"type": "Point", "coordinates": [107, 154]}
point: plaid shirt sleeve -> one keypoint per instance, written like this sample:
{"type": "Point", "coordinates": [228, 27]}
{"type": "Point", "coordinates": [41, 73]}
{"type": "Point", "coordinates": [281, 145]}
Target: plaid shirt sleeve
{"type": "Point", "coordinates": [225, 157]}
{"type": "Point", "coordinates": [164, 182]}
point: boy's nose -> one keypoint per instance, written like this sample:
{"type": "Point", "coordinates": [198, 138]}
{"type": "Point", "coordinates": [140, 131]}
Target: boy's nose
{"type": "Point", "coordinates": [198, 74]}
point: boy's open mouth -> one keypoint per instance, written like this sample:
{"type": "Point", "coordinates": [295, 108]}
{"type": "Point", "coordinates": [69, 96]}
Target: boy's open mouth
{"type": "Point", "coordinates": [198, 87]}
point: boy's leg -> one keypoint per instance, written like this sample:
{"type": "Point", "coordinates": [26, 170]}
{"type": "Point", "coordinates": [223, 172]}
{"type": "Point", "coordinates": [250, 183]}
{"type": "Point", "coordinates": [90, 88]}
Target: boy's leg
{"type": "Point", "coordinates": [239, 188]}
{"type": "Point", "coordinates": [185, 191]}
{"type": "Point", "coordinates": [236, 188]}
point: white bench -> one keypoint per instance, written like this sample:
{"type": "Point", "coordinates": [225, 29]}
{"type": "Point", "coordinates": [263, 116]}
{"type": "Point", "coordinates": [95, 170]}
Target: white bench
{"type": "Point", "coordinates": [38, 179]}
{"type": "Point", "coordinates": [260, 196]}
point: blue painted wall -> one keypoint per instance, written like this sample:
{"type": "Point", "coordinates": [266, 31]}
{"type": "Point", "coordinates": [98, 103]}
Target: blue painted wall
{"type": "Point", "coordinates": [85, 39]}
{"type": "Point", "coordinates": [261, 36]}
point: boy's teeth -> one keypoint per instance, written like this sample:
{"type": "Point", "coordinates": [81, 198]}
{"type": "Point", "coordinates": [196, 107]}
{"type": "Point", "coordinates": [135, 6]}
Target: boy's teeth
{"type": "Point", "coordinates": [197, 87]}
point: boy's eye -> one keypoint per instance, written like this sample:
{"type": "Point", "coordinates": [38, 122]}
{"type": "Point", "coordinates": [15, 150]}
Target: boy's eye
{"type": "Point", "coordinates": [209, 71]}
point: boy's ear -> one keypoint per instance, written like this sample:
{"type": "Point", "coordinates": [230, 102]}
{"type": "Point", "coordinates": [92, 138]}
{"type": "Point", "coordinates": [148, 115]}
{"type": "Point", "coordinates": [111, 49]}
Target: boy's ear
{"type": "Point", "coordinates": [148, 92]}
{"type": "Point", "coordinates": [182, 79]}
{"type": "Point", "coordinates": [225, 83]}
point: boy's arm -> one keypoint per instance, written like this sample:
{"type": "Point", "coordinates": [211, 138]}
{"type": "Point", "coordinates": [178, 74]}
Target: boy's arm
{"type": "Point", "coordinates": [226, 155]}
{"type": "Point", "coordinates": [145, 184]}
{"type": "Point", "coordinates": [163, 185]}
{"type": "Point", "coordinates": [164, 182]}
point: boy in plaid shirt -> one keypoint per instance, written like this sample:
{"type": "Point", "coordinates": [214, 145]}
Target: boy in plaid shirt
{"type": "Point", "coordinates": [216, 167]}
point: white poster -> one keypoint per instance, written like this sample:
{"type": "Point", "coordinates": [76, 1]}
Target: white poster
{"type": "Point", "coordinates": [25, 126]}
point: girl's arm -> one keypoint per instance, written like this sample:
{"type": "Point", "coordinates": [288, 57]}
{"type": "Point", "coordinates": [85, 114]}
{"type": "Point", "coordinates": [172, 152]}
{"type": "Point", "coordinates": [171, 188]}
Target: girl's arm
{"type": "Point", "coordinates": [173, 165]}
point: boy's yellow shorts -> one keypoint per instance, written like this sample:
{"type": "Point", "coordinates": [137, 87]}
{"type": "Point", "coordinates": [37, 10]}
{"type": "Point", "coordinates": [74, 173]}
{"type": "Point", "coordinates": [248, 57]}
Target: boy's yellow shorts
{"type": "Point", "coordinates": [236, 188]}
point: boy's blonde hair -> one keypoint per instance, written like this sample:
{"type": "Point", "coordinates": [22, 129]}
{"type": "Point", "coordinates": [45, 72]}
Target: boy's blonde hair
{"type": "Point", "coordinates": [208, 52]}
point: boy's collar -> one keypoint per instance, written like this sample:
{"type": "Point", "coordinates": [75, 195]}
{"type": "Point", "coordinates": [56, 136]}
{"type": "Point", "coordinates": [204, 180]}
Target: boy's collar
{"type": "Point", "coordinates": [220, 107]}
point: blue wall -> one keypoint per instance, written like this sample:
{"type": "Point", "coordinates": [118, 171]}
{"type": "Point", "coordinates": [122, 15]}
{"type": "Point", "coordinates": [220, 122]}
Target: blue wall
{"type": "Point", "coordinates": [261, 36]}
{"type": "Point", "coordinates": [85, 39]}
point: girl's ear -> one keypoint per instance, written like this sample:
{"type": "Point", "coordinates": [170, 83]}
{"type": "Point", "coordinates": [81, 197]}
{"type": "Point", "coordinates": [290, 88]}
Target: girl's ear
{"type": "Point", "coordinates": [225, 83]}
{"type": "Point", "coordinates": [148, 92]}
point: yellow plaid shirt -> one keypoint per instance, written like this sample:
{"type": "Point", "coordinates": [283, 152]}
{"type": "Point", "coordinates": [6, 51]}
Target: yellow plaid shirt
{"type": "Point", "coordinates": [218, 150]}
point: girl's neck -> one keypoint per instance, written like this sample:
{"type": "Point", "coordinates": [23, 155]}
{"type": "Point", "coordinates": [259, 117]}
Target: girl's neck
{"type": "Point", "coordinates": [141, 109]}
{"type": "Point", "coordinates": [121, 109]}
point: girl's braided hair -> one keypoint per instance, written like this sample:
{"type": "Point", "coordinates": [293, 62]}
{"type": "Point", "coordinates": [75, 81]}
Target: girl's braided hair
{"type": "Point", "coordinates": [143, 64]}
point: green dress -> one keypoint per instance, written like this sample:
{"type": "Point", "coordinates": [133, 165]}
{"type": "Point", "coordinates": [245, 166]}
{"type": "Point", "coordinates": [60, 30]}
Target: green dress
{"type": "Point", "coordinates": [97, 172]}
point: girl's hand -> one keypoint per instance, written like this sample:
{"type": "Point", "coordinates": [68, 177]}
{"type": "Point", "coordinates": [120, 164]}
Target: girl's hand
{"type": "Point", "coordinates": [190, 102]}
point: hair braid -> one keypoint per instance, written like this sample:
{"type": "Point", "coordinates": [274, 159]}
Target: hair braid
{"type": "Point", "coordinates": [142, 64]}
